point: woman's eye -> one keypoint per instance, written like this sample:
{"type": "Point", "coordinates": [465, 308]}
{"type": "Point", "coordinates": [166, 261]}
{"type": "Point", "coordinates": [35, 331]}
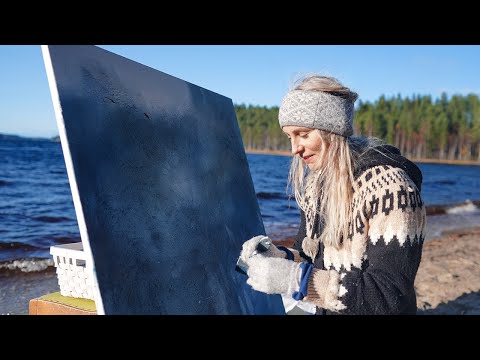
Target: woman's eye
{"type": "Point", "coordinates": [304, 135]}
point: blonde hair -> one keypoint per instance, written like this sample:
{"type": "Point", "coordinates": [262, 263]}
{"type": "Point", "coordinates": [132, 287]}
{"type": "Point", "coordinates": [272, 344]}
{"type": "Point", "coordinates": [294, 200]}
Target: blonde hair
{"type": "Point", "coordinates": [331, 184]}
{"type": "Point", "coordinates": [325, 84]}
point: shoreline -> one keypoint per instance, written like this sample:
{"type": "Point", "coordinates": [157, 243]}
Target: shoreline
{"type": "Point", "coordinates": [447, 282]}
{"type": "Point", "coordinates": [420, 160]}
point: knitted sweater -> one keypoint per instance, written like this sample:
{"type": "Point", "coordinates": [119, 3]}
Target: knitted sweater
{"type": "Point", "coordinates": [374, 270]}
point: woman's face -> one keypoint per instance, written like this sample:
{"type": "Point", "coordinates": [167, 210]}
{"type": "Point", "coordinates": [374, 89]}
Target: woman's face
{"type": "Point", "coordinates": [307, 143]}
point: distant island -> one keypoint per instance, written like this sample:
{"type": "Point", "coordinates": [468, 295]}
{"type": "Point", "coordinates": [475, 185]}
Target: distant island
{"type": "Point", "coordinates": [9, 137]}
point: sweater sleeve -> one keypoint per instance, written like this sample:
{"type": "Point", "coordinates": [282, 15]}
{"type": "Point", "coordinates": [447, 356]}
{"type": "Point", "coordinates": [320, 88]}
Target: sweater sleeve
{"type": "Point", "coordinates": [388, 232]}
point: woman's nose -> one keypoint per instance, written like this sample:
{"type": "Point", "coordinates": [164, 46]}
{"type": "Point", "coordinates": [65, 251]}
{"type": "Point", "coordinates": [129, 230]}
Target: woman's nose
{"type": "Point", "coordinates": [296, 148]}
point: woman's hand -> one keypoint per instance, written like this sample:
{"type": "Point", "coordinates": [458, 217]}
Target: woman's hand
{"type": "Point", "coordinates": [274, 275]}
{"type": "Point", "coordinates": [250, 247]}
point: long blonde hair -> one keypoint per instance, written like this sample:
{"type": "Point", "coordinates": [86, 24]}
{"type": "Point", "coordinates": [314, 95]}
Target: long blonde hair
{"type": "Point", "coordinates": [332, 181]}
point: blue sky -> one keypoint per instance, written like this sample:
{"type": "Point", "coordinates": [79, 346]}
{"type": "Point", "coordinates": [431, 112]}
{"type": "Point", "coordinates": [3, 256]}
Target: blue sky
{"type": "Point", "coordinates": [257, 75]}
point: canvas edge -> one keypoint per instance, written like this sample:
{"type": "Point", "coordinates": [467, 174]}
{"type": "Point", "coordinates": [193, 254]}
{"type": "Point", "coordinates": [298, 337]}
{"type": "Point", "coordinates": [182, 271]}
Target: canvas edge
{"type": "Point", "coordinates": [71, 176]}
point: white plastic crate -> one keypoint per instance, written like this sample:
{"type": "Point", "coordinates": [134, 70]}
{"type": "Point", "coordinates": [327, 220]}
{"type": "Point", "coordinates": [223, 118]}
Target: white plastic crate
{"type": "Point", "coordinates": [72, 274]}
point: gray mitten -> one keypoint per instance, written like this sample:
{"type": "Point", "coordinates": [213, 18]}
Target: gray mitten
{"type": "Point", "coordinates": [274, 275]}
{"type": "Point", "coordinates": [250, 247]}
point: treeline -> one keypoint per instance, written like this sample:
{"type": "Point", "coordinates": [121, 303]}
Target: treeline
{"type": "Point", "coordinates": [444, 129]}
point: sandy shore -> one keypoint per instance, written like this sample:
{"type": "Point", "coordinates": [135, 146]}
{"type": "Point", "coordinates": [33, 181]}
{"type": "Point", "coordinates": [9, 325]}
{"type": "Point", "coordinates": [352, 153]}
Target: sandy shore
{"type": "Point", "coordinates": [448, 280]}
{"type": "Point", "coordinates": [17, 288]}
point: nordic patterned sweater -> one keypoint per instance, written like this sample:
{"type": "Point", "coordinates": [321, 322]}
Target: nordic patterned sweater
{"type": "Point", "coordinates": [374, 270]}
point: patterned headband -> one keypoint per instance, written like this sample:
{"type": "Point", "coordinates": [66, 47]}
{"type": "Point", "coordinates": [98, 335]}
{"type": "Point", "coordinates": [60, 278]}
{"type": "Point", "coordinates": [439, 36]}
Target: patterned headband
{"type": "Point", "coordinates": [317, 110]}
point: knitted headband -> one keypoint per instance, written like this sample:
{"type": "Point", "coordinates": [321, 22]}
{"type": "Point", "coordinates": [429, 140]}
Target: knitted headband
{"type": "Point", "coordinates": [317, 110]}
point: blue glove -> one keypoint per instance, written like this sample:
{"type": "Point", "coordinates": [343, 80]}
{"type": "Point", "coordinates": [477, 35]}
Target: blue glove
{"type": "Point", "coordinates": [278, 276]}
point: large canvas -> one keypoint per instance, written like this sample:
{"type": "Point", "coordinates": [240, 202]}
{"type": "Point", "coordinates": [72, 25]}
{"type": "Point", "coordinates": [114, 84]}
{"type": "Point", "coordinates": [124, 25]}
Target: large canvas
{"type": "Point", "coordinates": [161, 186]}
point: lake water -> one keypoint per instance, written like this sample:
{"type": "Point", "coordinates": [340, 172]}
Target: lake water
{"type": "Point", "coordinates": [36, 207]}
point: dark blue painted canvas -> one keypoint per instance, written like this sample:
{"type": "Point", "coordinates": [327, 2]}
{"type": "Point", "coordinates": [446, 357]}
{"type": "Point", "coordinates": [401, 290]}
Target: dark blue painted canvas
{"type": "Point", "coordinates": [161, 186]}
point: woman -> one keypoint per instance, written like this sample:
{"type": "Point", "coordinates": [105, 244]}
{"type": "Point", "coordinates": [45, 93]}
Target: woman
{"type": "Point", "coordinates": [362, 217]}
